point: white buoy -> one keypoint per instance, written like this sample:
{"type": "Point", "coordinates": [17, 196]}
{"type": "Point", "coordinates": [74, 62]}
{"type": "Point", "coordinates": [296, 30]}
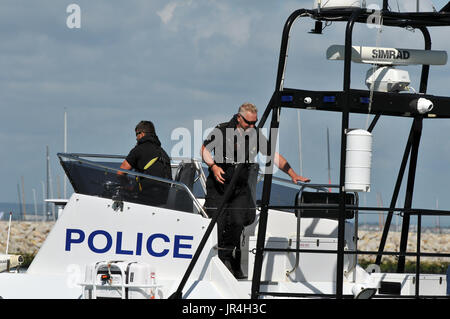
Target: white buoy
{"type": "Point", "coordinates": [358, 161]}
{"type": "Point", "coordinates": [8, 262]}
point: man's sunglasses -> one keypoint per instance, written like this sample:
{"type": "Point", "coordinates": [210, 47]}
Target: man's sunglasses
{"type": "Point", "coordinates": [137, 133]}
{"type": "Point", "coordinates": [248, 122]}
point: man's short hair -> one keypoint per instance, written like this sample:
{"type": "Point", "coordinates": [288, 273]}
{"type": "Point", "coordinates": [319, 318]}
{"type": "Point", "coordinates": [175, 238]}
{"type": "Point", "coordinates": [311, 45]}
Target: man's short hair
{"type": "Point", "coordinates": [145, 126]}
{"type": "Point", "coordinates": [247, 107]}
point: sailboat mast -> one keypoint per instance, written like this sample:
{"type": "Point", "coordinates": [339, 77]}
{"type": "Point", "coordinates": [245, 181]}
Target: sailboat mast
{"type": "Point", "coordinates": [65, 151]}
{"type": "Point", "coordinates": [328, 153]}
{"type": "Point", "coordinates": [24, 211]}
{"type": "Point", "coordinates": [299, 143]}
{"type": "Point", "coordinates": [47, 192]}
{"type": "Point", "coordinates": [20, 199]}
{"type": "Point", "coordinates": [35, 204]}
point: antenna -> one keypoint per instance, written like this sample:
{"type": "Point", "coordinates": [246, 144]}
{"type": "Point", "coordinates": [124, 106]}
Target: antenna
{"type": "Point", "coordinates": [328, 153]}
{"type": "Point", "coordinates": [300, 143]}
{"type": "Point", "coordinates": [388, 56]}
{"type": "Point", "coordinates": [385, 77]}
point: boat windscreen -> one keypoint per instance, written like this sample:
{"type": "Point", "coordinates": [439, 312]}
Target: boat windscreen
{"type": "Point", "coordinates": [101, 179]}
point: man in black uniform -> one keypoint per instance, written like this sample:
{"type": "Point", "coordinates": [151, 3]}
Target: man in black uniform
{"type": "Point", "coordinates": [233, 142]}
{"type": "Point", "coordinates": [149, 157]}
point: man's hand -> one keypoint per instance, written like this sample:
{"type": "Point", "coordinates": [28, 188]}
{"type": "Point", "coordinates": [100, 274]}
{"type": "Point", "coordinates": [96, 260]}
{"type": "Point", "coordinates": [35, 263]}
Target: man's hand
{"type": "Point", "coordinates": [215, 169]}
{"type": "Point", "coordinates": [218, 171]}
{"type": "Point", "coordinates": [297, 178]}
{"type": "Point", "coordinates": [283, 164]}
{"type": "Point", "coordinates": [124, 165]}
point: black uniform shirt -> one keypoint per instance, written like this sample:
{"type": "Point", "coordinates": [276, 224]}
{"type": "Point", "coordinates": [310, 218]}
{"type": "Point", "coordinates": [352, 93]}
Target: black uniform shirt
{"type": "Point", "coordinates": [234, 147]}
{"type": "Point", "coordinates": [148, 157]}
{"type": "Point", "coordinates": [230, 147]}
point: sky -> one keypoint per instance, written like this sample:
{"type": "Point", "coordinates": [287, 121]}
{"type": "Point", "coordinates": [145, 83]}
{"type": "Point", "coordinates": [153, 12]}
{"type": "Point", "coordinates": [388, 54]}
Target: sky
{"type": "Point", "coordinates": [180, 62]}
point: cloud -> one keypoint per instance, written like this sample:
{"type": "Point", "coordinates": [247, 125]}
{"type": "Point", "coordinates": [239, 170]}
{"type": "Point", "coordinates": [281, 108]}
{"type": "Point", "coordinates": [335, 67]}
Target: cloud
{"type": "Point", "coordinates": [217, 19]}
{"type": "Point", "coordinates": [166, 14]}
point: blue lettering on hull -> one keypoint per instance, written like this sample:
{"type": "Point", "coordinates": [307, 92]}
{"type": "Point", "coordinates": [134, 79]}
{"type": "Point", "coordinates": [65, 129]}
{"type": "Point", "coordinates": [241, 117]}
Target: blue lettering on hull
{"type": "Point", "coordinates": [181, 244]}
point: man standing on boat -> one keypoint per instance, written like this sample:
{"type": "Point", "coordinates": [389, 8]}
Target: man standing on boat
{"type": "Point", "coordinates": [234, 142]}
{"type": "Point", "coordinates": [149, 157]}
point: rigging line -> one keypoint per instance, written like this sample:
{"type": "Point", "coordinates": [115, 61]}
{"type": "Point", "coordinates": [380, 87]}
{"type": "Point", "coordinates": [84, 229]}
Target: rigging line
{"type": "Point", "coordinates": [299, 142]}
{"type": "Point", "coordinates": [374, 66]}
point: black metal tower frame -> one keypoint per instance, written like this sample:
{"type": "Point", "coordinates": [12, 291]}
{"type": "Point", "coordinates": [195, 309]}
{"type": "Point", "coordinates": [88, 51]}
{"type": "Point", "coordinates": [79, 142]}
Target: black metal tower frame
{"type": "Point", "coordinates": [346, 101]}
{"type": "Point", "coordinates": [351, 101]}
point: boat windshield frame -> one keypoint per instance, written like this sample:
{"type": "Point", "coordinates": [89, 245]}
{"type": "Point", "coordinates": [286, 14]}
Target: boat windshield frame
{"type": "Point", "coordinates": [80, 157]}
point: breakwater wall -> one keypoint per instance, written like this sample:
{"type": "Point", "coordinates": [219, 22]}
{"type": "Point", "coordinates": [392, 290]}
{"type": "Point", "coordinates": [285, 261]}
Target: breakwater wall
{"type": "Point", "coordinates": [27, 237]}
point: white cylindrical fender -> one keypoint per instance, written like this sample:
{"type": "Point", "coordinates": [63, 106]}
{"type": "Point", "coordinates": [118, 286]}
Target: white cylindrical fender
{"type": "Point", "coordinates": [358, 161]}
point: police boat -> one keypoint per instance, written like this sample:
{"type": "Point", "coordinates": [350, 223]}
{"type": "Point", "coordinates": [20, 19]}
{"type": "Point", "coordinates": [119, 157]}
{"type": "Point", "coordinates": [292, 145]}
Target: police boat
{"type": "Point", "coordinates": [143, 237]}
{"type": "Point", "coordinates": [115, 239]}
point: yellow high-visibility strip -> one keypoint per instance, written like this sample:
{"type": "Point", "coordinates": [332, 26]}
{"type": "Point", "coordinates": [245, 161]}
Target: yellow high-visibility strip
{"type": "Point", "coordinates": [150, 163]}
{"type": "Point", "coordinates": [139, 183]}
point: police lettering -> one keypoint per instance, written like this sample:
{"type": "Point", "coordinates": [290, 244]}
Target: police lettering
{"type": "Point", "coordinates": [100, 242]}
{"type": "Point", "coordinates": [390, 54]}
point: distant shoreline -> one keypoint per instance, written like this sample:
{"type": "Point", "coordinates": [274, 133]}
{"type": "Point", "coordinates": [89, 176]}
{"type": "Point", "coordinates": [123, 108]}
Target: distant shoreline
{"type": "Point", "coordinates": [27, 237]}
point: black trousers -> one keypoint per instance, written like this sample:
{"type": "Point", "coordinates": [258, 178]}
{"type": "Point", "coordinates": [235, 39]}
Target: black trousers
{"type": "Point", "coordinates": [239, 212]}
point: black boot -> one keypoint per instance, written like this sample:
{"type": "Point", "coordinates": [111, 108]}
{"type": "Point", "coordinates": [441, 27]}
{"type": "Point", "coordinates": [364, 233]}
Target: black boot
{"type": "Point", "coordinates": [227, 264]}
{"type": "Point", "coordinates": [236, 265]}
{"type": "Point", "coordinates": [238, 274]}
{"type": "Point", "coordinates": [225, 255]}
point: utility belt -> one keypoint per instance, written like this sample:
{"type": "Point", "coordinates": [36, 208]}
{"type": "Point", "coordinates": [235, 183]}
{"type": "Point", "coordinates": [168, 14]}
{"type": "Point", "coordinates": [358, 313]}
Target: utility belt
{"type": "Point", "coordinates": [230, 162]}
{"type": "Point", "coordinates": [229, 169]}
{"type": "Point", "coordinates": [225, 165]}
